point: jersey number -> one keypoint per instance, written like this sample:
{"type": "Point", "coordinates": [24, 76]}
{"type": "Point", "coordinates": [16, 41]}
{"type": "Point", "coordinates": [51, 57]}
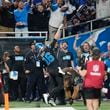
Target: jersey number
{"type": "Point", "coordinates": [48, 58]}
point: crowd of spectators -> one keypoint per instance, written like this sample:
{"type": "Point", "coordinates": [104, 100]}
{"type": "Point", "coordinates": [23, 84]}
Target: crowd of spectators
{"type": "Point", "coordinates": [28, 79]}
{"type": "Point", "coordinates": [47, 15]}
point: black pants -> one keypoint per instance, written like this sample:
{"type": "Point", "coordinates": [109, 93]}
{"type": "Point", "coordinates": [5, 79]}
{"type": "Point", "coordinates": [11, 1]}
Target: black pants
{"type": "Point", "coordinates": [91, 93]}
{"type": "Point", "coordinates": [35, 79]}
{"type": "Point", "coordinates": [5, 78]}
{"type": "Point", "coordinates": [22, 86]}
{"type": "Point", "coordinates": [17, 88]}
{"type": "Point", "coordinates": [13, 89]}
{"type": "Point", "coordinates": [56, 86]}
{"type": "Point", "coordinates": [1, 97]}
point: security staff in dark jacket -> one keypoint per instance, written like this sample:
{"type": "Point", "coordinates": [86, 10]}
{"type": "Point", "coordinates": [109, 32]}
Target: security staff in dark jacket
{"type": "Point", "coordinates": [18, 67]}
{"type": "Point", "coordinates": [35, 76]}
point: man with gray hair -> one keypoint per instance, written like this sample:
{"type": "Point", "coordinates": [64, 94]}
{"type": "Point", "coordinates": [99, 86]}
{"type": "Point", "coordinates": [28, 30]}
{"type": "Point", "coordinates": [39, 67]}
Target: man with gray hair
{"type": "Point", "coordinates": [107, 54]}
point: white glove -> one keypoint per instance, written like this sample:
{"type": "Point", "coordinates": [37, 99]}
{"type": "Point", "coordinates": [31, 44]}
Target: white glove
{"type": "Point", "coordinates": [60, 27]}
{"type": "Point", "coordinates": [60, 71]}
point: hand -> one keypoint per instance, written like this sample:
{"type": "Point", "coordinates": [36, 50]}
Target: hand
{"type": "Point", "coordinates": [32, 5]}
{"type": "Point", "coordinates": [64, 8]}
{"type": "Point", "coordinates": [69, 73]}
{"type": "Point", "coordinates": [48, 8]}
{"type": "Point", "coordinates": [7, 1]}
{"type": "Point", "coordinates": [78, 68]}
{"type": "Point", "coordinates": [27, 71]}
{"type": "Point", "coordinates": [91, 38]}
{"type": "Point", "coordinates": [19, 23]}
{"type": "Point", "coordinates": [60, 71]}
{"type": "Point", "coordinates": [77, 36]}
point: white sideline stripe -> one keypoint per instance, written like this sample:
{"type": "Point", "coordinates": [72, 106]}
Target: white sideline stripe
{"type": "Point", "coordinates": [43, 108]}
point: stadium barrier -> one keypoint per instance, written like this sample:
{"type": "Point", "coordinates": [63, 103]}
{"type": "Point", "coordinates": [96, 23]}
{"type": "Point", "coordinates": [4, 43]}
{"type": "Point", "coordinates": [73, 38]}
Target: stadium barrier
{"type": "Point", "coordinates": [88, 26]}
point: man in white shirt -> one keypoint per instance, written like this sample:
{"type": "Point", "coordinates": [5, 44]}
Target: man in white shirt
{"type": "Point", "coordinates": [58, 16]}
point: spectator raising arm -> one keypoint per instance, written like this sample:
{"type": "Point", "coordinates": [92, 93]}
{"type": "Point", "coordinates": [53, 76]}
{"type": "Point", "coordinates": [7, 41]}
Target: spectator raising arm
{"type": "Point", "coordinates": [21, 18]}
{"type": "Point", "coordinates": [75, 41]}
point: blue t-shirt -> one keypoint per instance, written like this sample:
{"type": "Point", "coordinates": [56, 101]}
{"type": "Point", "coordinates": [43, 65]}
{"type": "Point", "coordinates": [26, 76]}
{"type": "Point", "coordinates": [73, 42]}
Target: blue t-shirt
{"type": "Point", "coordinates": [37, 1]}
{"type": "Point", "coordinates": [54, 6]}
{"type": "Point", "coordinates": [22, 16]}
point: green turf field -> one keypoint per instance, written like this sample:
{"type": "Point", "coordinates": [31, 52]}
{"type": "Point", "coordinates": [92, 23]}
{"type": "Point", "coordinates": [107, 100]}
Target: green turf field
{"type": "Point", "coordinates": [105, 105]}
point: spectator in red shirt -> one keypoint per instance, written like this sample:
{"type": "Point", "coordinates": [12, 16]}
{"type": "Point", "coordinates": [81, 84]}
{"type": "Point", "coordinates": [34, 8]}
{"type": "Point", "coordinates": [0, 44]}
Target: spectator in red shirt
{"type": "Point", "coordinates": [93, 80]}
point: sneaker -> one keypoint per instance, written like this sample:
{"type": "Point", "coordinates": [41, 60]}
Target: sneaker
{"type": "Point", "coordinates": [52, 103]}
{"type": "Point", "coordinates": [45, 96]}
{"type": "Point", "coordinates": [1, 105]}
{"type": "Point", "coordinates": [28, 100]}
{"type": "Point", "coordinates": [23, 99]}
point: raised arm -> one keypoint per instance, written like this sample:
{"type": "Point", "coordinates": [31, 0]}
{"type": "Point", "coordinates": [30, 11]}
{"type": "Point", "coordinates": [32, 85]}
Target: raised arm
{"type": "Point", "coordinates": [92, 40]}
{"type": "Point", "coordinates": [75, 41]}
{"type": "Point", "coordinates": [56, 37]}
{"type": "Point", "coordinates": [58, 33]}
